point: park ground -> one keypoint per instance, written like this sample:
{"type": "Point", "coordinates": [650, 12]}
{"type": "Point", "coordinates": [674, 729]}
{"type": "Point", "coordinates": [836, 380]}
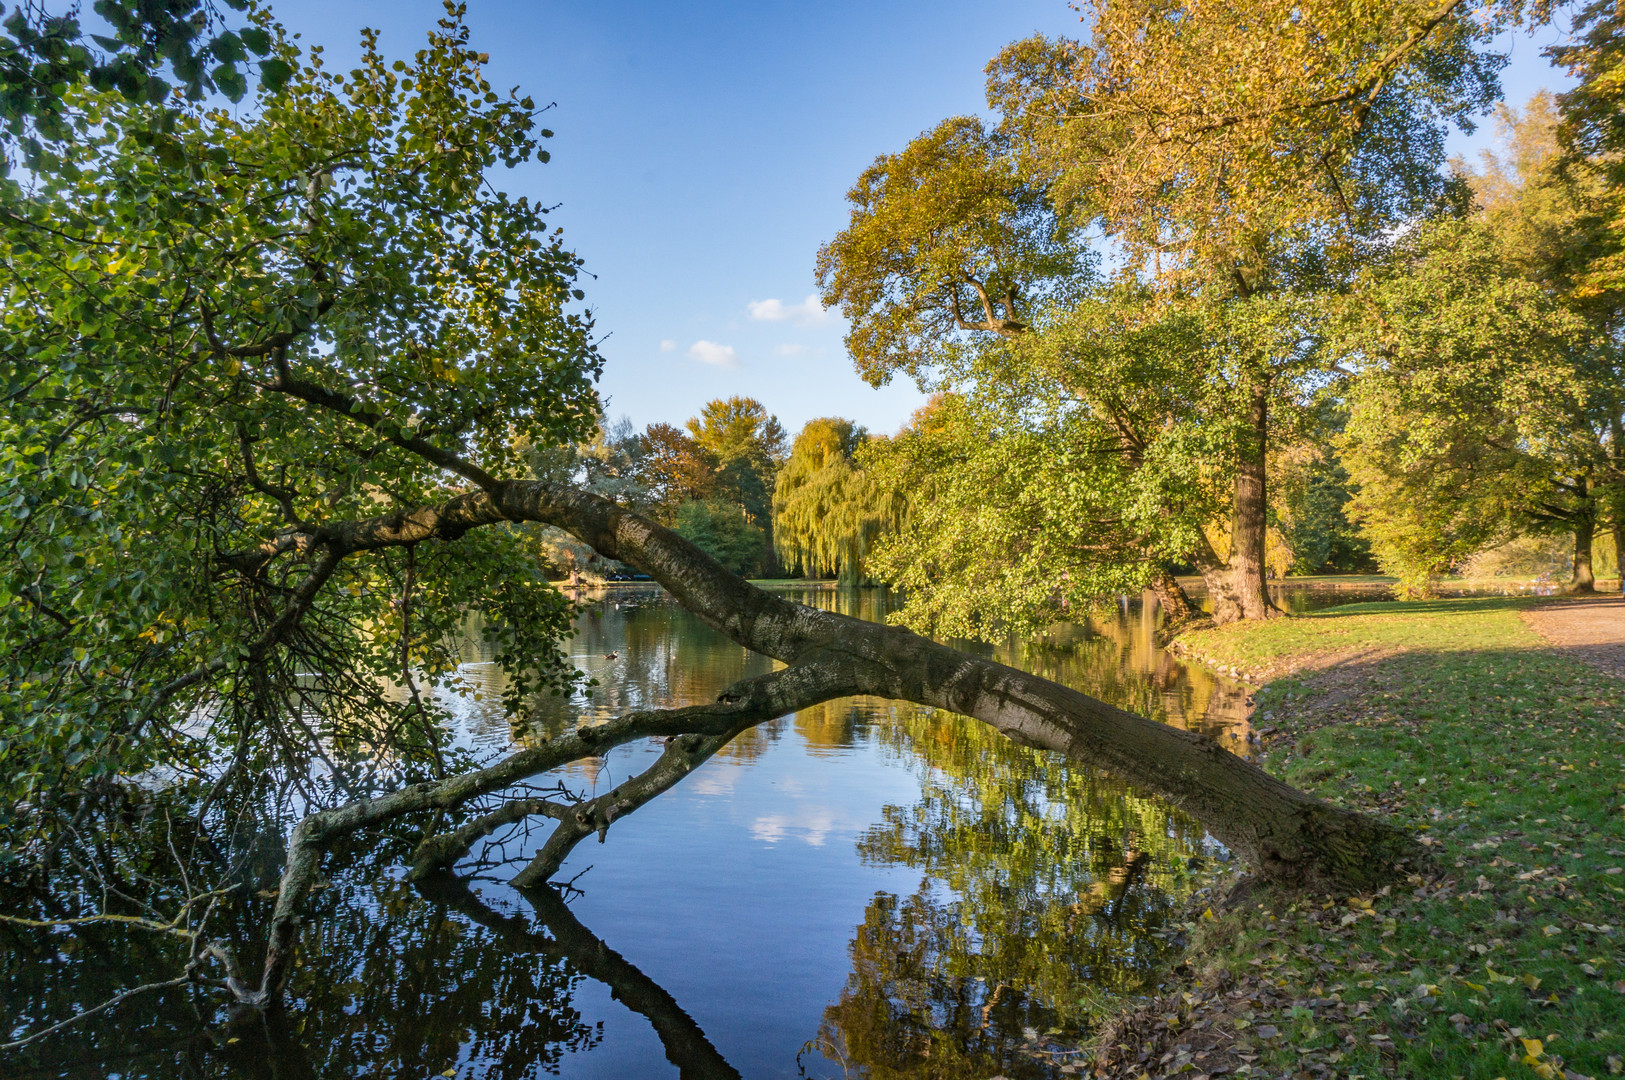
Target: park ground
{"type": "Point", "coordinates": [1495, 728]}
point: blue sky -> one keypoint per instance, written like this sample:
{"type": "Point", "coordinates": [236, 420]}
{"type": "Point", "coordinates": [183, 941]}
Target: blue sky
{"type": "Point", "coordinates": [702, 154]}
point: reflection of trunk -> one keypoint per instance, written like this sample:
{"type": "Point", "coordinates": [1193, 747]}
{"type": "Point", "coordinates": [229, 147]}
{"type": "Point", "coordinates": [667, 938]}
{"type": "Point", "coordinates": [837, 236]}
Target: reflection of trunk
{"type": "Point", "coordinates": [685, 1043]}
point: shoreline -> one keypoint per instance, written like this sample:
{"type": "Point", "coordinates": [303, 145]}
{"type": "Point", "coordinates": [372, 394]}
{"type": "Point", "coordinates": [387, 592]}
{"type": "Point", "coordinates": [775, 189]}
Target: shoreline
{"type": "Point", "coordinates": [1502, 958]}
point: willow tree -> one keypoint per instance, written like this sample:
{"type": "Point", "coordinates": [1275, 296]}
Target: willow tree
{"type": "Point", "coordinates": [1242, 156]}
{"type": "Point", "coordinates": [828, 510]}
{"type": "Point", "coordinates": [271, 381]}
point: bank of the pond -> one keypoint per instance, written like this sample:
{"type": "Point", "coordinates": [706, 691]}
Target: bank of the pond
{"type": "Point", "coordinates": [1505, 958]}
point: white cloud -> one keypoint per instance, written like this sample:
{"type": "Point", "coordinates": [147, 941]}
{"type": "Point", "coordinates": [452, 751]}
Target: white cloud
{"type": "Point", "coordinates": [667, 344]}
{"type": "Point", "coordinates": [790, 350]}
{"type": "Point", "coordinates": [807, 313]}
{"type": "Point", "coordinates": [709, 352]}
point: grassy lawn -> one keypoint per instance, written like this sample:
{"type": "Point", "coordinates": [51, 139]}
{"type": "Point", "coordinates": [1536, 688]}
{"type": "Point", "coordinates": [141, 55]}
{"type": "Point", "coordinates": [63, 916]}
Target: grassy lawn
{"type": "Point", "coordinates": [1505, 958]}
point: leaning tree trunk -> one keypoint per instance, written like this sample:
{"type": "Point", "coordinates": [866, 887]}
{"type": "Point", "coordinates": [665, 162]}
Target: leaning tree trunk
{"type": "Point", "coordinates": [1288, 836]}
{"type": "Point", "coordinates": [1175, 601]}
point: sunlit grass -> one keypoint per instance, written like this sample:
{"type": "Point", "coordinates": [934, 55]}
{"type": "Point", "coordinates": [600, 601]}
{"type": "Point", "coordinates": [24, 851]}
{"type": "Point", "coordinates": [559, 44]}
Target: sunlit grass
{"type": "Point", "coordinates": [1506, 959]}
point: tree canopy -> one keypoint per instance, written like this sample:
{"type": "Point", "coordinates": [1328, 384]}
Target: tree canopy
{"type": "Point", "coordinates": [1237, 164]}
{"type": "Point", "coordinates": [225, 335]}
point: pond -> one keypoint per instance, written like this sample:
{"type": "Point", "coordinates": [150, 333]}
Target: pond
{"type": "Point", "coordinates": [862, 888]}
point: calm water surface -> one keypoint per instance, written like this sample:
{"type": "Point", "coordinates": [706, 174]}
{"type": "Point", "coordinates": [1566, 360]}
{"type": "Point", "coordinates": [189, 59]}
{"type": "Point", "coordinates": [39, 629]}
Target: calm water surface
{"type": "Point", "coordinates": [862, 888]}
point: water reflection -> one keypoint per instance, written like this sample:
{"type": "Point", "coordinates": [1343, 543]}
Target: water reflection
{"type": "Point", "coordinates": [898, 891]}
{"type": "Point", "coordinates": [1045, 893]}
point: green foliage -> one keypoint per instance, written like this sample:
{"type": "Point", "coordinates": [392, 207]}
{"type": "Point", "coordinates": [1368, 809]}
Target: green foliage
{"type": "Point", "coordinates": [224, 333]}
{"type": "Point", "coordinates": [945, 236]}
{"type": "Point", "coordinates": [1249, 144]}
{"type": "Point", "coordinates": [1084, 457]}
{"type": "Point", "coordinates": [1472, 413]}
{"type": "Point", "coordinates": [44, 57]}
{"type": "Point", "coordinates": [1242, 160]}
{"type": "Point", "coordinates": [828, 511]}
{"type": "Point", "coordinates": [744, 445]}
{"type": "Point", "coordinates": [1311, 494]}
{"type": "Point", "coordinates": [1592, 138]}
{"type": "Point", "coordinates": [721, 530]}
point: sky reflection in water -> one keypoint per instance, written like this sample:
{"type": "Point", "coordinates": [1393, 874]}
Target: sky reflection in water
{"type": "Point", "coordinates": [900, 893]}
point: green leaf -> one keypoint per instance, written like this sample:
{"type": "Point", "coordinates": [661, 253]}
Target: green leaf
{"type": "Point", "coordinates": [256, 39]}
{"type": "Point", "coordinates": [274, 74]}
{"type": "Point", "coordinates": [228, 47]}
{"type": "Point", "coordinates": [230, 81]}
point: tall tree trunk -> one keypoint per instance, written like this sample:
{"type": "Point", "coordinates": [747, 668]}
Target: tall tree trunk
{"type": "Point", "coordinates": [1619, 542]}
{"type": "Point", "coordinates": [1616, 495]}
{"type": "Point", "coordinates": [1218, 580]}
{"type": "Point", "coordinates": [1250, 521]}
{"type": "Point", "coordinates": [1582, 580]}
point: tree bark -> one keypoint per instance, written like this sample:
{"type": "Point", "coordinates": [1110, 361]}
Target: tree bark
{"type": "Point", "coordinates": [1218, 580]}
{"type": "Point", "coordinates": [1250, 520]}
{"type": "Point", "coordinates": [1583, 581]}
{"type": "Point", "coordinates": [1619, 543]}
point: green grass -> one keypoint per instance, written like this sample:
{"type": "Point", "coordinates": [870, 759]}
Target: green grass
{"type": "Point", "coordinates": [1510, 760]}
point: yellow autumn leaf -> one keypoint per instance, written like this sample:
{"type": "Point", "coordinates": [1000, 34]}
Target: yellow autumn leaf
{"type": "Point", "coordinates": [1531, 982]}
{"type": "Point", "coordinates": [1533, 1047]}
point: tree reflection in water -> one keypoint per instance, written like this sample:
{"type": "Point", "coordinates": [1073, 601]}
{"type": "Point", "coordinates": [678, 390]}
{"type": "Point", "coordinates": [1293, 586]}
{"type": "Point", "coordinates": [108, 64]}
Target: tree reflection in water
{"type": "Point", "coordinates": [1039, 891]}
{"type": "Point", "coordinates": [1046, 893]}
{"type": "Point", "coordinates": [395, 984]}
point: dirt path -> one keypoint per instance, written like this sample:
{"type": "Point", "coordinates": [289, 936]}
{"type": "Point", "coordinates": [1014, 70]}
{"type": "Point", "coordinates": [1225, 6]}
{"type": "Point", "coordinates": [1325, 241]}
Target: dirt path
{"type": "Point", "coordinates": [1591, 629]}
